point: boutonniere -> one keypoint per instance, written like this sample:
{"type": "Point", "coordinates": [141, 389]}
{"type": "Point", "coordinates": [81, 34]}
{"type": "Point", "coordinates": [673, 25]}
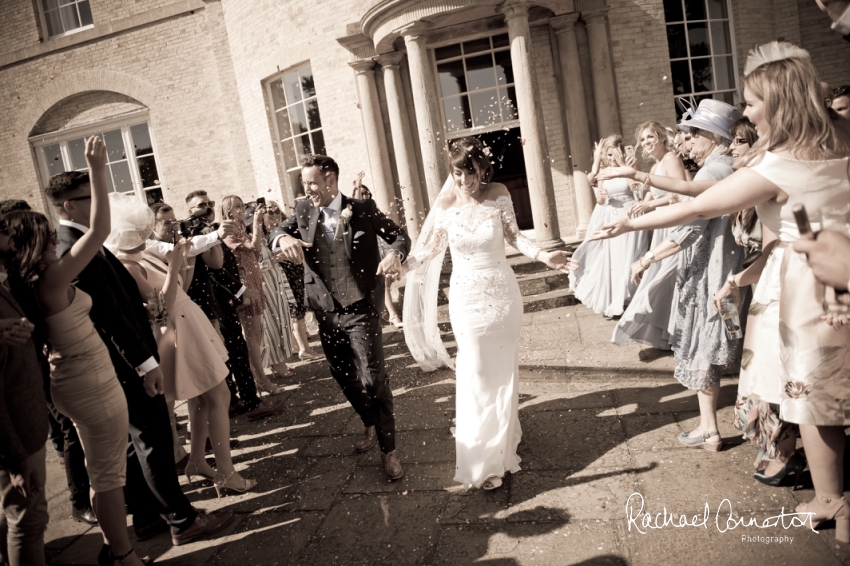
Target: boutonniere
{"type": "Point", "coordinates": [345, 215]}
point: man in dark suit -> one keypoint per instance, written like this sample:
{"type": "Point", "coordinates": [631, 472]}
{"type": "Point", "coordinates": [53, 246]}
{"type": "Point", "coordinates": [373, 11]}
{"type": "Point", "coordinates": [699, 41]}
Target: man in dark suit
{"type": "Point", "coordinates": [120, 317]}
{"type": "Point", "coordinates": [337, 240]}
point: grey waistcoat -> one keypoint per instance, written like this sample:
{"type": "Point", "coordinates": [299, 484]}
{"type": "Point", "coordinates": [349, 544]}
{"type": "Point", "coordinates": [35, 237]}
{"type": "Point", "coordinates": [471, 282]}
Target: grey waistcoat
{"type": "Point", "coordinates": [335, 267]}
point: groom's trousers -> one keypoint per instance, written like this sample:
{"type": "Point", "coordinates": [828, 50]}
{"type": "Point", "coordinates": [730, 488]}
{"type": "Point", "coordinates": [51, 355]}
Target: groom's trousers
{"type": "Point", "coordinates": [353, 344]}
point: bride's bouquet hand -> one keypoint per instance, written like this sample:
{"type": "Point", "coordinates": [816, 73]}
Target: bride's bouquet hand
{"type": "Point", "coordinates": [612, 230]}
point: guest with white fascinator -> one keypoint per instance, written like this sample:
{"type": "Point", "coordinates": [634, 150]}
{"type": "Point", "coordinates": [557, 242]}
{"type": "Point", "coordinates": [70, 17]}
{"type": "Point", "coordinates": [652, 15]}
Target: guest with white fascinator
{"type": "Point", "coordinates": [799, 159]}
{"type": "Point", "coordinates": [192, 355]}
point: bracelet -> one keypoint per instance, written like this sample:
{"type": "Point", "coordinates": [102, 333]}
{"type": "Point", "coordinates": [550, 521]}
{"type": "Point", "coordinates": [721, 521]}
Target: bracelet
{"type": "Point", "coordinates": [640, 261]}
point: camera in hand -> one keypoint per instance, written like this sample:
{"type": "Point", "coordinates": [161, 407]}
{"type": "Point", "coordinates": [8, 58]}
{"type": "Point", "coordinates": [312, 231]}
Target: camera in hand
{"type": "Point", "coordinates": [195, 225]}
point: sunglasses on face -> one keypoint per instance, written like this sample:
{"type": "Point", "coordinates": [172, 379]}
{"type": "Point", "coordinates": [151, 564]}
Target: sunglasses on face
{"type": "Point", "coordinates": [273, 211]}
{"type": "Point", "coordinates": [740, 141]}
{"type": "Point", "coordinates": [209, 204]}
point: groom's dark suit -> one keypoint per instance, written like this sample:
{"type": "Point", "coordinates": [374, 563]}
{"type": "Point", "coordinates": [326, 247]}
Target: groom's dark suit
{"type": "Point", "coordinates": [119, 315]}
{"type": "Point", "coordinates": [347, 296]}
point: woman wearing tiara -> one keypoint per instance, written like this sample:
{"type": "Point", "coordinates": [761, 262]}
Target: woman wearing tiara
{"type": "Point", "coordinates": [647, 319]}
{"type": "Point", "coordinates": [600, 274]}
{"type": "Point", "coordinates": [474, 217]}
{"type": "Point", "coordinates": [800, 159]}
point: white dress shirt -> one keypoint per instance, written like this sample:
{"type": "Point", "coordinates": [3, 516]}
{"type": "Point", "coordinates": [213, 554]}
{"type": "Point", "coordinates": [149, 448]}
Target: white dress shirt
{"type": "Point", "coordinates": [200, 244]}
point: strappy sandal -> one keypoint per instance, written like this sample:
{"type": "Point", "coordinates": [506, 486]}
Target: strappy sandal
{"type": "Point", "coordinates": [271, 388]}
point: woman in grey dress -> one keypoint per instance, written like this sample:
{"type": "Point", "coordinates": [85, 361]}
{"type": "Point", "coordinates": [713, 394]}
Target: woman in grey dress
{"type": "Point", "coordinates": [708, 254]}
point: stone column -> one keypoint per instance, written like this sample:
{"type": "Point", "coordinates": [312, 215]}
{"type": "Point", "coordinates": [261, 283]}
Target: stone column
{"type": "Point", "coordinates": [581, 144]}
{"type": "Point", "coordinates": [405, 157]}
{"type": "Point", "coordinates": [427, 106]}
{"type": "Point", "coordinates": [376, 140]}
{"type": "Point", "coordinates": [535, 147]}
{"type": "Point", "coordinates": [604, 85]}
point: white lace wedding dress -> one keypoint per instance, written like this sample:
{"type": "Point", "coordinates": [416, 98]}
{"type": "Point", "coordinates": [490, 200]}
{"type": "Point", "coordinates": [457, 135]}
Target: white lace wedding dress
{"type": "Point", "coordinates": [485, 307]}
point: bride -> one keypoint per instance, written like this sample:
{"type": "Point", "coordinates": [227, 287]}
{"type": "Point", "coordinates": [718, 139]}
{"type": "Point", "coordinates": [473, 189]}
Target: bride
{"type": "Point", "coordinates": [474, 217]}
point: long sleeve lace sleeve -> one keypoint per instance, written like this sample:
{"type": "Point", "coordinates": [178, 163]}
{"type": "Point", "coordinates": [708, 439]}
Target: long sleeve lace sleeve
{"type": "Point", "coordinates": [511, 229]}
{"type": "Point", "coordinates": [434, 244]}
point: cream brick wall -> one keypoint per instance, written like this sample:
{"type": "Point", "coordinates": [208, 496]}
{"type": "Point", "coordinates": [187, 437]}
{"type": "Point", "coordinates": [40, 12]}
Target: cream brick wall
{"type": "Point", "coordinates": [830, 52]}
{"type": "Point", "coordinates": [170, 67]}
{"type": "Point", "coordinates": [84, 109]}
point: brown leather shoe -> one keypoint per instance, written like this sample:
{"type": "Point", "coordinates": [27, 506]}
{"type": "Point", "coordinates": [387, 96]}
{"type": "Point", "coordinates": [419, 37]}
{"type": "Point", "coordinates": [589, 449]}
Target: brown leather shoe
{"type": "Point", "coordinates": [204, 526]}
{"type": "Point", "coordinates": [369, 440]}
{"type": "Point", "coordinates": [392, 467]}
{"type": "Point", "coordinates": [265, 409]}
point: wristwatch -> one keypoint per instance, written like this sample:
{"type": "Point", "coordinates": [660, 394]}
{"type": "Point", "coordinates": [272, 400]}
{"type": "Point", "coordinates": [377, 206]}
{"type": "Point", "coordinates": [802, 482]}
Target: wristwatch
{"type": "Point", "coordinates": [650, 256]}
{"type": "Point", "coordinates": [730, 279]}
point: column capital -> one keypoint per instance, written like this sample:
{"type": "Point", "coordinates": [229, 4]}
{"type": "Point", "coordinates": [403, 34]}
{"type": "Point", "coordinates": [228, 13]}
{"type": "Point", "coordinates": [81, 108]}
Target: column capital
{"type": "Point", "coordinates": [389, 60]}
{"type": "Point", "coordinates": [565, 23]}
{"type": "Point", "coordinates": [515, 9]}
{"type": "Point", "coordinates": [596, 16]}
{"type": "Point", "coordinates": [413, 30]}
{"type": "Point", "coordinates": [362, 66]}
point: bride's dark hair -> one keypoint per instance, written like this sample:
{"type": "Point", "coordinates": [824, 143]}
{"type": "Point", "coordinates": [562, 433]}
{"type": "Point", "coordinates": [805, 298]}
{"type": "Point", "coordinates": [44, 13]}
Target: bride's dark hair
{"type": "Point", "coordinates": [471, 155]}
{"type": "Point", "coordinates": [32, 234]}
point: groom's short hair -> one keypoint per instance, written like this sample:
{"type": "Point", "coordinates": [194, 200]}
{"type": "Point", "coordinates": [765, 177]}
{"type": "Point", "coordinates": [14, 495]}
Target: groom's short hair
{"type": "Point", "coordinates": [323, 162]}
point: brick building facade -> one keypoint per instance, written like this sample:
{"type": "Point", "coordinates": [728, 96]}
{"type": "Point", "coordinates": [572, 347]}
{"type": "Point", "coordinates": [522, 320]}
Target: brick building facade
{"type": "Point", "coordinates": [225, 95]}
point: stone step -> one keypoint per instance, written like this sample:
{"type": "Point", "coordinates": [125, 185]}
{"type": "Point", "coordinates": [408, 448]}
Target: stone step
{"type": "Point", "coordinates": [531, 303]}
{"type": "Point", "coordinates": [542, 282]}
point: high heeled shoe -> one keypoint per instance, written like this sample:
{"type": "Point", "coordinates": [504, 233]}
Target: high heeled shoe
{"type": "Point", "coordinates": [701, 441]}
{"type": "Point", "coordinates": [825, 509]}
{"type": "Point", "coordinates": [108, 558]}
{"type": "Point", "coordinates": [309, 356]}
{"type": "Point", "coordinates": [795, 464]}
{"type": "Point", "coordinates": [193, 469]}
{"type": "Point", "coordinates": [491, 483]}
{"type": "Point", "coordinates": [222, 483]}
{"type": "Point", "coordinates": [270, 388]}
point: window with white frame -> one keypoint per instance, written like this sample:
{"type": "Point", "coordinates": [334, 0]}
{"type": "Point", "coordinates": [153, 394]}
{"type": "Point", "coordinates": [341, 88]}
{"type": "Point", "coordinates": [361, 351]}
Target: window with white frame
{"type": "Point", "coordinates": [476, 82]}
{"type": "Point", "coordinates": [297, 126]}
{"type": "Point", "coordinates": [66, 16]}
{"type": "Point", "coordinates": [702, 60]}
{"type": "Point", "coordinates": [131, 172]}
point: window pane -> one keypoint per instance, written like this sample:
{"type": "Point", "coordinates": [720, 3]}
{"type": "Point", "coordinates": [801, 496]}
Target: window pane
{"type": "Point", "coordinates": [485, 108]}
{"type": "Point", "coordinates": [457, 113]}
{"type": "Point", "coordinates": [54, 23]}
{"type": "Point", "coordinates": [313, 113]}
{"type": "Point", "coordinates": [290, 158]}
{"type": "Point", "coordinates": [308, 86]}
{"type": "Point", "coordinates": [295, 182]}
{"type": "Point", "coordinates": [504, 67]}
{"type": "Point", "coordinates": [109, 186]}
{"type": "Point", "coordinates": [148, 172]}
{"type": "Point", "coordinates": [676, 41]}
{"type": "Point", "coordinates": [673, 11]}
{"type": "Point", "coordinates": [452, 80]}
{"type": "Point", "coordinates": [153, 195]}
{"type": "Point", "coordinates": [85, 13]}
{"type": "Point", "coordinates": [724, 73]}
{"type": "Point", "coordinates": [278, 99]}
{"type": "Point", "coordinates": [121, 177]}
{"type": "Point", "coordinates": [70, 19]}
{"type": "Point", "coordinates": [476, 46]}
{"type": "Point", "coordinates": [50, 4]}
{"type": "Point", "coordinates": [501, 40]}
{"type": "Point", "coordinates": [703, 80]}
{"type": "Point", "coordinates": [318, 142]}
{"type": "Point", "coordinates": [695, 10]}
{"type": "Point", "coordinates": [480, 72]}
{"type": "Point", "coordinates": [292, 86]}
{"type": "Point", "coordinates": [77, 149]}
{"type": "Point", "coordinates": [681, 77]}
{"type": "Point", "coordinates": [698, 40]}
{"type": "Point", "coordinates": [447, 52]}
{"type": "Point", "coordinates": [283, 127]}
{"type": "Point", "coordinates": [53, 157]}
{"type": "Point", "coordinates": [141, 139]}
{"type": "Point", "coordinates": [302, 147]}
{"type": "Point", "coordinates": [717, 9]}
{"type": "Point", "coordinates": [298, 119]}
{"type": "Point", "coordinates": [509, 107]}
{"type": "Point", "coordinates": [720, 41]}
{"type": "Point", "coordinates": [64, 2]}
{"type": "Point", "coordinates": [114, 146]}
{"type": "Point", "coordinates": [727, 97]}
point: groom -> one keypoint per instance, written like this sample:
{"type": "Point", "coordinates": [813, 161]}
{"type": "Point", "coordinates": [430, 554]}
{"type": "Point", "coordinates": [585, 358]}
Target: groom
{"type": "Point", "coordinates": [337, 240]}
